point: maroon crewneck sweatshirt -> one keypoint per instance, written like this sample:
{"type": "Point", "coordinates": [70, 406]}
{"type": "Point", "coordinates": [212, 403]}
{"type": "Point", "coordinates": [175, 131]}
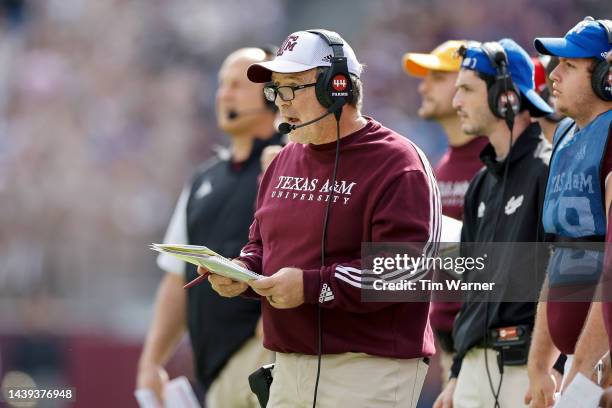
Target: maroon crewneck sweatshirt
{"type": "Point", "coordinates": [385, 191]}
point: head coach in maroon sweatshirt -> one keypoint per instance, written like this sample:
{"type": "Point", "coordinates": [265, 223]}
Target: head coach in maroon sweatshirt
{"type": "Point", "coordinates": [371, 185]}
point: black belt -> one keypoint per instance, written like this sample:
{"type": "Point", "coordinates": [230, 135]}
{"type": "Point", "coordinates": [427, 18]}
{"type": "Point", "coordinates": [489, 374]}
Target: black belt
{"type": "Point", "coordinates": [567, 242]}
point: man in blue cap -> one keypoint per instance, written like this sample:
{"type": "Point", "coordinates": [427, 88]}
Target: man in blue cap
{"type": "Point", "coordinates": [582, 86]}
{"type": "Point", "coordinates": [606, 399]}
{"type": "Point", "coordinates": [496, 97]}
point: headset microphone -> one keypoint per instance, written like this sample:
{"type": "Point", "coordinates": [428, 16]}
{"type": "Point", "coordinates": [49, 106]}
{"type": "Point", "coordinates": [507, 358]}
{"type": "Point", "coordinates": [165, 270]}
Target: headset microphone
{"type": "Point", "coordinates": [285, 127]}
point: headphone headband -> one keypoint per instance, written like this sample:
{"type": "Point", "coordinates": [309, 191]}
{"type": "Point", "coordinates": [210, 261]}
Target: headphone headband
{"type": "Point", "coordinates": [601, 78]}
{"type": "Point", "coordinates": [504, 97]}
{"type": "Point", "coordinates": [607, 25]}
{"type": "Point", "coordinates": [496, 54]}
{"type": "Point", "coordinates": [335, 84]}
{"type": "Point", "coordinates": [333, 40]}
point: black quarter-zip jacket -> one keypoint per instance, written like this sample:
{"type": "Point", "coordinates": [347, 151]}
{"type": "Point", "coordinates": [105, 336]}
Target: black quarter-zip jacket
{"type": "Point", "coordinates": [503, 212]}
{"type": "Point", "coordinates": [219, 326]}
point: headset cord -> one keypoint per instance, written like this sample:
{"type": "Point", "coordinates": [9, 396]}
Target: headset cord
{"type": "Point", "coordinates": [500, 362]}
{"type": "Point", "coordinates": [486, 323]}
{"type": "Point", "coordinates": [323, 244]}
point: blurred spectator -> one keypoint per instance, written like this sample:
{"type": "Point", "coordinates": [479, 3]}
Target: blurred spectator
{"type": "Point", "coordinates": [13, 11]}
{"type": "Point", "coordinates": [216, 209]}
{"type": "Point", "coordinates": [438, 71]}
{"type": "Point", "coordinates": [544, 64]}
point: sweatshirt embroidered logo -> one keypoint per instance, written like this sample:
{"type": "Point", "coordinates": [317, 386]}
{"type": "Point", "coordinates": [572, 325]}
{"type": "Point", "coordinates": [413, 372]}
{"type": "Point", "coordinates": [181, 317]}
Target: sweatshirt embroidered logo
{"type": "Point", "coordinates": [513, 204]}
{"type": "Point", "coordinates": [326, 294]}
{"type": "Point", "coordinates": [310, 189]}
{"type": "Point", "coordinates": [481, 209]}
{"type": "Point", "coordinates": [204, 190]}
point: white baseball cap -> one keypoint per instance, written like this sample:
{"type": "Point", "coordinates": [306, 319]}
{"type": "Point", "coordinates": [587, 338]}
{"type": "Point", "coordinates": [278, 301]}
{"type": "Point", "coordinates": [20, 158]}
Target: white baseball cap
{"type": "Point", "coordinates": [300, 52]}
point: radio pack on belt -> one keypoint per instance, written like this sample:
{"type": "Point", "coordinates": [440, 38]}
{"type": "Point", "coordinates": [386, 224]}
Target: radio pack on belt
{"type": "Point", "coordinates": [260, 382]}
{"type": "Point", "coordinates": [512, 343]}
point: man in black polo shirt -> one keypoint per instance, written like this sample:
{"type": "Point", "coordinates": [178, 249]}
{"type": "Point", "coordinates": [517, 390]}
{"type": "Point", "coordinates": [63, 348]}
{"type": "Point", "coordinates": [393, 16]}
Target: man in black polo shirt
{"type": "Point", "coordinates": [216, 209]}
{"type": "Point", "coordinates": [501, 205]}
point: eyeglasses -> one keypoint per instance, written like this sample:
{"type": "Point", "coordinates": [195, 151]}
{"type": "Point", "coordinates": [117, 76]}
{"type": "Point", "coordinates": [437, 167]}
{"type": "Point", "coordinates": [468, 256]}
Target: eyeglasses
{"type": "Point", "coordinates": [287, 93]}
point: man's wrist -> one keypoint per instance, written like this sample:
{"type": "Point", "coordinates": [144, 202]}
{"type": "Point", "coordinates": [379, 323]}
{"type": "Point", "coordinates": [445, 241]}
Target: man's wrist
{"type": "Point", "coordinates": [586, 366]}
{"type": "Point", "coordinates": [149, 365]}
{"type": "Point", "coordinates": [537, 369]}
{"type": "Point", "coordinates": [311, 279]}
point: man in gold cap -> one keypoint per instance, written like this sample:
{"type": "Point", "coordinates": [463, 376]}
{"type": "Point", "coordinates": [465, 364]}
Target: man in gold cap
{"type": "Point", "coordinates": [439, 70]}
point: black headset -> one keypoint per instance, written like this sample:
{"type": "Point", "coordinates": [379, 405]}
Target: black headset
{"type": "Point", "coordinates": [503, 96]}
{"type": "Point", "coordinates": [334, 82]}
{"type": "Point", "coordinates": [601, 79]}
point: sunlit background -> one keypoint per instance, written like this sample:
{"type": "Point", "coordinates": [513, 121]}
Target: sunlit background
{"type": "Point", "coordinates": [106, 107]}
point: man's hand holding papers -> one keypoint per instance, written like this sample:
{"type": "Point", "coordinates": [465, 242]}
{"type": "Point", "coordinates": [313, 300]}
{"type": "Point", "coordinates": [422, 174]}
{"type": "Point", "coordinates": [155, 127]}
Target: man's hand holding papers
{"type": "Point", "coordinates": [228, 278]}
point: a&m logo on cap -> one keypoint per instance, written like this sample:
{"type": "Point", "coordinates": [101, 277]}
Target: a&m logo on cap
{"type": "Point", "coordinates": [288, 45]}
{"type": "Point", "coordinates": [339, 83]}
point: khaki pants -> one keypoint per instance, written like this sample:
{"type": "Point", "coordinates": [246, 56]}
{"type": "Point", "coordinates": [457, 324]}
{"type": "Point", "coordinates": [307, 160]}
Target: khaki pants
{"type": "Point", "coordinates": [473, 389]}
{"type": "Point", "coordinates": [352, 380]}
{"type": "Point", "coordinates": [231, 388]}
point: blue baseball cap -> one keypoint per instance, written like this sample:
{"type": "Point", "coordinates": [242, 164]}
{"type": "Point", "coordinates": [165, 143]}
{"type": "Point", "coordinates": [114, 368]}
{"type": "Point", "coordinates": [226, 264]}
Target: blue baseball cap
{"type": "Point", "coordinates": [520, 67]}
{"type": "Point", "coordinates": [588, 39]}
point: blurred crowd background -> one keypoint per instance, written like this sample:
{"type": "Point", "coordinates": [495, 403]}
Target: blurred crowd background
{"type": "Point", "coordinates": [106, 107]}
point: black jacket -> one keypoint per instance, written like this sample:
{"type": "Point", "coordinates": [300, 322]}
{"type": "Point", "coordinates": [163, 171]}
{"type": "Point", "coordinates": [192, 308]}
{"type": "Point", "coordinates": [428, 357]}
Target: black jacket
{"type": "Point", "coordinates": [218, 216]}
{"type": "Point", "coordinates": [503, 212]}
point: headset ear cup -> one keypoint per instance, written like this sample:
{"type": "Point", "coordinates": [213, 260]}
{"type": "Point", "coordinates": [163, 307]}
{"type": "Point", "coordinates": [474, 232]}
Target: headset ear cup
{"type": "Point", "coordinates": [493, 96]}
{"type": "Point", "coordinates": [324, 87]}
{"type": "Point", "coordinates": [350, 88]}
{"type": "Point", "coordinates": [334, 84]}
{"type": "Point", "coordinates": [515, 100]}
{"type": "Point", "coordinates": [497, 100]}
{"type": "Point", "coordinates": [601, 81]}
{"type": "Point", "coordinates": [321, 88]}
